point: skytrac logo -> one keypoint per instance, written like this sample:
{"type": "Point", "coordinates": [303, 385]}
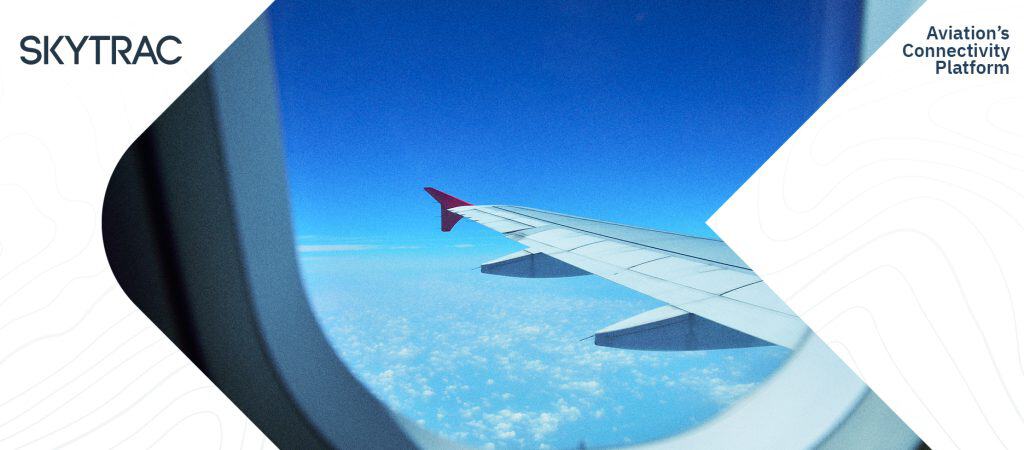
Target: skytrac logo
{"type": "Point", "coordinates": [100, 50]}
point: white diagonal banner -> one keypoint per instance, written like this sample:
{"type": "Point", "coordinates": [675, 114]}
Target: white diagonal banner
{"type": "Point", "coordinates": [892, 222]}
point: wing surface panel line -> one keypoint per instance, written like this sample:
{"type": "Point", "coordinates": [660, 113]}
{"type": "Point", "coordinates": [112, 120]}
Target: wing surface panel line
{"type": "Point", "coordinates": [710, 294]}
{"type": "Point", "coordinates": [633, 242]}
{"type": "Point", "coordinates": [741, 287]}
{"type": "Point", "coordinates": [502, 207]}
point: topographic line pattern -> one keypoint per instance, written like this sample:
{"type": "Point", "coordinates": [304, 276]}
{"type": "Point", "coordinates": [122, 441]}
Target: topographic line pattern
{"type": "Point", "coordinates": [80, 365]}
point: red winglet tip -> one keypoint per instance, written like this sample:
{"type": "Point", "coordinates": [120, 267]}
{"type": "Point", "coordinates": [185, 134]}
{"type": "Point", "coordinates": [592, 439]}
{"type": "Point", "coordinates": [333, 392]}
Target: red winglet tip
{"type": "Point", "coordinates": [448, 218]}
{"type": "Point", "coordinates": [446, 201]}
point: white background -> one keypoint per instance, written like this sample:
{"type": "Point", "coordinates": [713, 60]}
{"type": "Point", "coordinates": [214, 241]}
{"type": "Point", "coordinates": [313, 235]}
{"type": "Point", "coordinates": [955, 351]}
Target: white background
{"type": "Point", "coordinates": [80, 365]}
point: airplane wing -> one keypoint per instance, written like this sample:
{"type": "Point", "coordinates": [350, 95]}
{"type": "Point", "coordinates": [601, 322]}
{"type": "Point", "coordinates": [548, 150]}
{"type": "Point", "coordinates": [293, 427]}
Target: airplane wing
{"type": "Point", "coordinates": [712, 299]}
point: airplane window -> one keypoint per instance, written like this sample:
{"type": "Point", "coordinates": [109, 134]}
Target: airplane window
{"type": "Point", "coordinates": [644, 114]}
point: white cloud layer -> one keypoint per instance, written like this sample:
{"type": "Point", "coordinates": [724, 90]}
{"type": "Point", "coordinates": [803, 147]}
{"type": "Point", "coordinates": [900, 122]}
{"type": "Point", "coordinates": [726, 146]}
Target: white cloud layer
{"type": "Point", "coordinates": [488, 360]}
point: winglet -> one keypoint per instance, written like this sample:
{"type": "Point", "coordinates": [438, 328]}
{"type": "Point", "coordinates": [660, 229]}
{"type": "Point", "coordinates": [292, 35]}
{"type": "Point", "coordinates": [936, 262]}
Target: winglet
{"type": "Point", "coordinates": [448, 218]}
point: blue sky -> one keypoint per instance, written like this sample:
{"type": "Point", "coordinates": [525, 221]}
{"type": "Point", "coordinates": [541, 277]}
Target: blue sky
{"type": "Point", "coordinates": [640, 112]}
{"type": "Point", "coordinates": [645, 113]}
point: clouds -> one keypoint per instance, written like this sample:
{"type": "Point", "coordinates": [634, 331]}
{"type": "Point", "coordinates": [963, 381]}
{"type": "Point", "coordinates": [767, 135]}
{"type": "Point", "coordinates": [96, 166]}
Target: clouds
{"type": "Point", "coordinates": [496, 360]}
{"type": "Point", "coordinates": [507, 424]}
{"type": "Point", "coordinates": [591, 387]}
